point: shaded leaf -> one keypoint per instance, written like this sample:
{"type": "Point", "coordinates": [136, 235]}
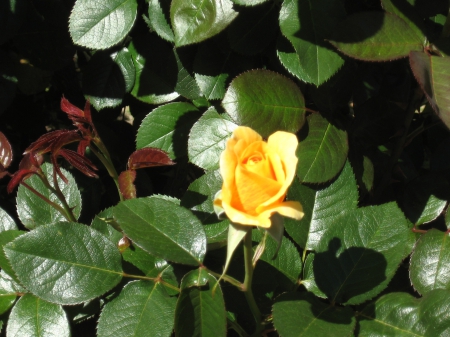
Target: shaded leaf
{"type": "Point", "coordinates": [148, 157]}
{"type": "Point", "coordinates": [5, 238]}
{"type": "Point", "coordinates": [126, 184]}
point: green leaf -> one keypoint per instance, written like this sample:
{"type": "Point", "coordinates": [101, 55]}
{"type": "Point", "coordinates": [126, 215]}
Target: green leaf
{"type": "Point", "coordinates": [433, 75]}
{"type": "Point", "coordinates": [317, 318]}
{"type": "Point", "coordinates": [322, 207]}
{"type": "Point", "coordinates": [196, 20]}
{"type": "Point", "coordinates": [186, 84]}
{"type": "Point", "coordinates": [200, 311]}
{"type": "Point", "coordinates": [158, 19]}
{"type": "Point", "coordinates": [265, 101]}
{"type": "Point", "coordinates": [430, 262]}
{"type": "Point", "coordinates": [433, 208]}
{"type": "Point", "coordinates": [98, 24]}
{"type": "Point", "coordinates": [167, 128]}
{"type": "Point", "coordinates": [65, 263]}
{"type": "Point", "coordinates": [254, 29]}
{"type": "Point", "coordinates": [142, 308]}
{"type": "Point", "coordinates": [249, 2]}
{"type": "Point", "coordinates": [32, 316]}
{"type": "Point", "coordinates": [208, 137]}
{"type": "Point", "coordinates": [163, 229]}
{"type": "Point", "coordinates": [376, 36]}
{"type": "Point", "coordinates": [6, 222]}
{"type": "Point", "coordinates": [406, 12]}
{"type": "Point", "coordinates": [286, 259]}
{"type": "Point", "coordinates": [7, 300]}
{"type": "Point", "coordinates": [323, 152]}
{"type": "Point", "coordinates": [107, 77]}
{"type": "Point", "coordinates": [308, 280]}
{"type": "Point", "coordinates": [100, 224]}
{"type": "Point", "coordinates": [156, 72]}
{"type": "Point", "coordinates": [35, 212]}
{"type": "Point", "coordinates": [400, 314]}
{"type": "Point", "coordinates": [355, 264]}
{"type": "Point", "coordinates": [306, 24]}
{"type": "Point", "coordinates": [7, 237]}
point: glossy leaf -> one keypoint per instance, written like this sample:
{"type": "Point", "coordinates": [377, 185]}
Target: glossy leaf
{"type": "Point", "coordinates": [323, 152]}
{"type": "Point", "coordinates": [5, 154]}
{"type": "Point", "coordinates": [167, 128]}
{"type": "Point", "coordinates": [317, 318]}
{"type": "Point", "coordinates": [400, 314]}
{"type": "Point", "coordinates": [306, 24]}
{"type": "Point", "coordinates": [158, 20]}
{"type": "Point", "coordinates": [433, 75]}
{"type": "Point", "coordinates": [249, 2]}
{"type": "Point", "coordinates": [148, 157]}
{"type": "Point", "coordinates": [126, 184]}
{"type": "Point", "coordinates": [163, 229]}
{"type": "Point", "coordinates": [6, 222]}
{"type": "Point", "coordinates": [102, 224]}
{"type": "Point", "coordinates": [376, 36]}
{"type": "Point", "coordinates": [207, 139]}
{"type": "Point", "coordinates": [265, 101]}
{"type": "Point", "coordinates": [107, 77]}
{"type": "Point", "coordinates": [5, 238]}
{"type": "Point", "coordinates": [99, 25]}
{"type": "Point", "coordinates": [156, 73]}
{"type": "Point", "coordinates": [195, 20]}
{"type": "Point", "coordinates": [200, 312]}
{"type": "Point", "coordinates": [142, 308]}
{"type": "Point", "coordinates": [321, 206]}
{"type": "Point", "coordinates": [32, 316]}
{"type": "Point", "coordinates": [65, 263]}
{"type": "Point", "coordinates": [35, 212]}
{"type": "Point", "coordinates": [433, 208]}
{"type": "Point", "coordinates": [186, 84]}
{"type": "Point", "coordinates": [430, 262]}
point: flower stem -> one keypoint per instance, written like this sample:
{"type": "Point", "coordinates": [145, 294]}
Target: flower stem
{"type": "Point", "coordinates": [247, 286]}
{"type": "Point", "coordinates": [226, 278]}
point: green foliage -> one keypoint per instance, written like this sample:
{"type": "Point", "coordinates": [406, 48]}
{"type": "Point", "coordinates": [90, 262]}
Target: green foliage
{"type": "Point", "coordinates": [133, 240]}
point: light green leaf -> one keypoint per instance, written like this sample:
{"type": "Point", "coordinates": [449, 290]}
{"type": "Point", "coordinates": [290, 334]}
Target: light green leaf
{"type": "Point", "coordinates": [6, 222]}
{"type": "Point", "coordinates": [163, 229]}
{"type": "Point", "coordinates": [265, 101]}
{"type": "Point", "coordinates": [197, 20]}
{"type": "Point", "coordinates": [65, 263]}
{"type": "Point", "coordinates": [167, 128]}
{"type": "Point", "coordinates": [430, 262]}
{"type": "Point", "coordinates": [249, 2]}
{"type": "Point", "coordinates": [306, 24]}
{"type": "Point", "coordinates": [142, 308]}
{"type": "Point", "coordinates": [317, 318]}
{"type": "Point", "coordinates": [376, 36]}
{"type": "Point", "coordinates": [322, 153]}
{"type": "Point", "coordinates": [99, 24]}
{"type": "Point", "coordinates": [208, 137]}
{"type": "Point", "coordinates": [158, 20]}
{"type": "Point", "coordinates": [200, 310]}
{"type": "Point", "coordinates": [7, 299]}
{"type": "Point", "coordinates": [32, 316]}
{"type": "Point", "coordinates": [35, 212]}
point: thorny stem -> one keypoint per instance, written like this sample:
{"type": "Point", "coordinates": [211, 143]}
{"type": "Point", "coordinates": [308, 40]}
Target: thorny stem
{"type": "Point", "coordinates": [61, 210]}
{"type": "Point", "coordinates": [247, 286]}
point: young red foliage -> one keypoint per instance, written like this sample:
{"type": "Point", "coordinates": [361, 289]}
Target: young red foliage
{"type": "Point", "coordinates": [148, 157]}
{"type": "Point", "coordinates": [5, 155]}
{"type": "Point", "coordinates": [126, 184]}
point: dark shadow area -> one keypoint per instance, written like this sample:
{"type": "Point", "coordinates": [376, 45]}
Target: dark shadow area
{"type": "Point", "coordinates": [181, 132]}
{"type": "Point", "coordinates": [355, 271]}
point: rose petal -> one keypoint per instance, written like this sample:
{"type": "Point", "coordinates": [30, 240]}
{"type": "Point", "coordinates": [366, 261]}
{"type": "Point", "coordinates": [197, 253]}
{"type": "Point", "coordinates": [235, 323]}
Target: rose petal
{"type": "Point", "coordinates": [291, 209]}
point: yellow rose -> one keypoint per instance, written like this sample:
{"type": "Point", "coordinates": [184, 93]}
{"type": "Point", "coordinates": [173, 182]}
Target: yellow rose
{"type": "Point", "coordinates": [256, 175]}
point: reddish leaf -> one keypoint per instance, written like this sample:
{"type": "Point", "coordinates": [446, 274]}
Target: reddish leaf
{"type": "Point", "coordinates": [17, 178]}
{"type": "Point", "coordinates": [71, 109]}
{"type": "Point", "coordinates": [31, 161]}
{"type": "Point", "coordinates": [76, 115]}
{"type": "Point", "coordinates": [126, 184]}
{"type": "Point", "coordinates": [82, 145]}
{"type": "Point", "coordinates": [53, 141]}
{"type": "Point", "coordinates": [80, 162]}
{"type": "Point", "coordinates": [148, 157]}
{"type": "Point", "coordinates": [5, 152]}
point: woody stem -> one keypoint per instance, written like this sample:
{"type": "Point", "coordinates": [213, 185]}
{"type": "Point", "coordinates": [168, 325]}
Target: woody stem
{"type": "Point", "coordinates": [247, 285]}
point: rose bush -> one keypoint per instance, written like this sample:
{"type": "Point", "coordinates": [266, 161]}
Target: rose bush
{"type": "Point", "coordinates": [256, 175]}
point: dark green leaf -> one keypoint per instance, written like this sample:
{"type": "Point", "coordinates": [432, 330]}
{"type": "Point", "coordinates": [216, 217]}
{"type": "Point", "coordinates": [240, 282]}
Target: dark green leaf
{"type": "Point", "coordinates": [158, 20]}
{"type": "Point", "coordinates": [167, 128]}
{"type": "Point", "coordinates": [35, 212]}
{"type": "Point", "coordinates": [196, 20]}
{"type": "Point", "coordinates": [376, 36]}
{"type": "Point", "coordinates": [65, 263]}
{"type": "Point", "coordinates": [100, 224]}
{"type": "Point", "coordinates": [107, 77]}
{"type": "Point", "coordinates": [254, 29]}
{"type": "Point", "coordinates": [200, 312]}
{"type": "Point", "coordinates": [6, 237]}
{"type": "Point", "coordinates": [7, 299]}
{"type": "Point", "coordinates": [265, 101]}
{"type": "Point", "coordinates": [163, 229]}
{"type": "Point", "coordinates": [186, 84]}
{"type": "Point", "coordinates": [306, 24]}
{"type": "Point", "coordinates": [207, 139]}
{"type": "Point", "coordinates": [406, 12]}
{"type": "Point", "coordinates": [6, 222]}
{"type": "Point", "coordinates": [322, 207]}
{"type": "Point", "coordinates": [98, 24]}
{"type": "Point", "coordinates": [32, 316]}
{"type": "Point", "coordinates": [430, 262]}
{"type": "Point", "coordinates": [323, 152]}
{"type": "Point", "coordinates": [156, 72]}
{"type": "Point", "coordinates": [301, 315]}
{"type": "Point", "coordinates": [308, 280]}
{"type": "Point", "coordinates": [433, 75]}
{"type": "Point", "coordinates": [142, 308]}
